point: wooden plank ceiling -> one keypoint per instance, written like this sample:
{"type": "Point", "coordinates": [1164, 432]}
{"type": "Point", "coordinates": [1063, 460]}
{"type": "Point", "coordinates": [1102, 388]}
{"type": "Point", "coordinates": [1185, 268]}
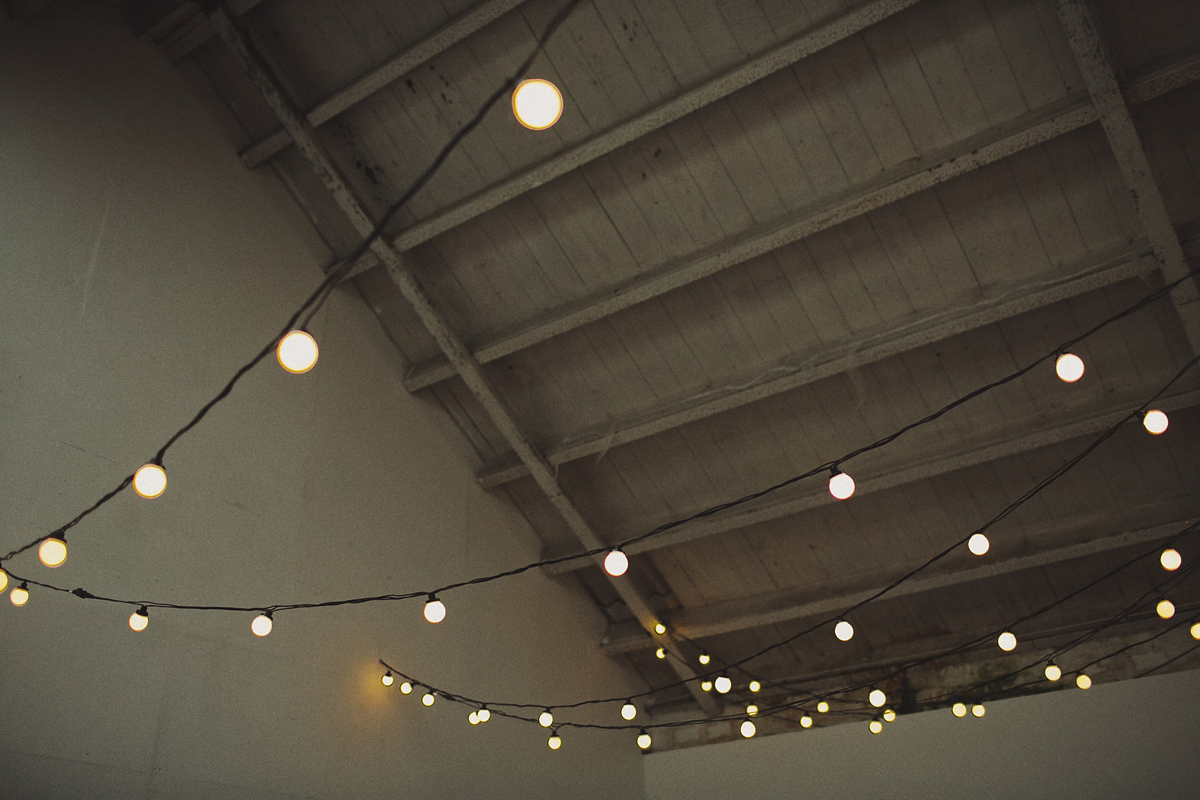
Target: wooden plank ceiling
{"type": "Point", "coordinates": [763, 234]}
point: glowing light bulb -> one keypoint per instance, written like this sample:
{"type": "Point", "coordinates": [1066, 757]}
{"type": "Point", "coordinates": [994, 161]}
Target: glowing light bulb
{"type": "Point", "coordinates": [723, 684]}
{"type": "Point", "coordinates": [150, 481]}
{"type": "Point", "coordinates": [1195, 630]}
{"type": "Point", "coordinates": [483, 715]}
{"type": "Point", "coordinates": [978, 710]}
{"type": "Point", "coordinates": [877, 698]}
{"type": "Point", "coordinates": [297, 352]}
{"type": "Point", "coordinates": [748, 729]}
{"type": "Point", "coordinates": [139, 619]}
{"type": "Point", "coordinates": [428, 699]}
{"type": "Point", "coordinates": [978, 544]}
{"type": "Point", "coordinates": [843, 631]}
{"type": "Point", "coordinates": [754, 686]}
{"type": "Point", "coordinates": [473, 718]}
{"type": "Point", "coordinates": [704, 658]}
{"type": "Point", "coordinates": [406, 688]}
{"type": "Point", "coordinates": [1007, 641]}
{"type": "Point", "coordinates": [806, 721]}
{"type": "Point", "coordinates": [1165, 609]}
{"type": "Point", "coordinates": [1155, 421]}
{"type": "Point", "coordinates": [616, 563]}
{"type": "Point", "coordinates": [629, 710]}
{"type": "Point", "coordinates": [659, 628]}
{"type": "Point", "coordinates": [822, 707]}
{"type": "Point", "coordinates": [1053, 672]}
{"type": "Point", "coordinates": [959, 710]}
{"type": "Point", "coordinates": [3, 580]}
{"type": "Point", "coordinates": [554, 742]}
{"type": "Point", "coordinates": [706, 686]}
{"type": "Point", "coordinates": [435, 610]}
{"type": "Point", "coordinates": [537, 104]}
{"type": "Point", "coordinates": [644, 741]}
{"type": "Point", "coordinates": [1069, 367]}
{"type": "Point", "coordinates": [889, 715]}
{"type": "Point", "coordinates": [20, 595]}
{"type": "Point", "coordinates": [1083, 681]}
{"type": "Point", "coordinates": [387, 679]}
{"type": "Point", "coordinates": [751, 710]}
{"type": "Point", "coordinates": [546, 719]}
{"type": "Point", "coordinates": [841, 485]}
{"type": "Point", "coordinates": [875, 726]}
{"type": "Point", "coordinates": [262, 624]}
{"type": "Point", "coordinates": [1170, 560]}
{"type": "Point", "coordinates": [660, 653]}
{"type": "Point", "coordinates": [52, 552]}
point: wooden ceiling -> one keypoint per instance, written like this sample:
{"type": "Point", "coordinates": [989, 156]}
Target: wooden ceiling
{"type": "Point", "coordinates": [766, 233]}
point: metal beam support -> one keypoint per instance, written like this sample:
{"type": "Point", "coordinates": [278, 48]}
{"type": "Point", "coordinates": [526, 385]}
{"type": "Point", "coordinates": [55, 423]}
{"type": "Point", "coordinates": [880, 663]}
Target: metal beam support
{"type": "Point", "coordinates": [1101, 81]}
{"type": "Point", "coordinates": [824, 361]}
{"type": "Point", "coordinates": [427, 49]}
{"type": "Point", "coordinates": [306, 141]}
{"type": "Point", "coordinates": [979, 453]}
{"type": "Point", "coordinates": [1038, 126]}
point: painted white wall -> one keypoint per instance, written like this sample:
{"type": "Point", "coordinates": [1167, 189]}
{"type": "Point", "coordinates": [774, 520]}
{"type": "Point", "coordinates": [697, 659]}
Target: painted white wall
{"type": "Point", "coordinates": [140, 264]}
{"type": "Point", "coordinates": [1117, 740]}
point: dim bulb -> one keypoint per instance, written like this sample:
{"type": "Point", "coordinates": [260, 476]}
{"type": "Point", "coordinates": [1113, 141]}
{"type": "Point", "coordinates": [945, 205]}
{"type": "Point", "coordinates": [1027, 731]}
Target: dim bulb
{"type": "Point", "coordinates": [555, 741]}
{"type": "Point", "coordinates": [20, 595]}
{"type": "Point", "coordinates": [297, 352]}
{"type": "Point", "coordinates": [704, 658]}
{"type": "Point", "coordinates": [1083, 681]}
{"type": "Point", "coordinates": [978, 710]}
{"type": "Point", "coordinates": [537, 103]}
{"type": "Point", "coordinates": [823, 707]}
{"type": "Point", "coordinates": [751, 710]}
{"type": "Point", "coordinates": [1165, 609]}
{"type": "Point", "coordinates": [52, 552]}
{"type": "Point", "coordinates": [1155, 421]}
{"type": "Point", "coordinates": [748, 729]}
{"type": "Point", "coordinates": [387, 679]}
{"type": "Point", "coordinates": [841, 485]}
{"type": "Point", "coordinates": [723, 684]}
{"type": "Point", "coordinates": [406, 688]}
{"type": "Point", "coordinates": [1170, 559]}
{"type": "Point", "coordinates": [150, 481]}
{"type": "Point", "coordinates": [959, 710]}
{"type": "Point", "coordinates": [1069, 367]}
{"type": "Point", "coordinates": [978, 544]}
{"type": "Point", "coordinates": [754, 686]}
{"type": "Point", "coordinates": [616, 563]}
{"type": "Point", "coordinates": [428, 699]}
{"type": "Point", "coordinates": [877, 698]}
{"type": "Point", "coordinates": [483, 715]}
{"type": "Point", "coordinates": [843, 630]}
{"type": "Point", "coordinates": [262, 624]}
{"type": "Point", "coordinates": [1007, 641]}
{"type": "Point", "coordinates": [546, 718]}
{"type": "Point", "coordinates": [629, 710]}
{"type": "Point", "coordinates": [435, 610]}
{"type": "Point", "coordinates": [1053, 672]}
{"type": "Point", "coordinates": [806, 721]}
{"type": "Point", "coordinates": [660, 653]}
{"type": "Point", "coordinates": [643, 740]}
{"type": "Point", "coordinates": [139, 619]}
{"type": "Point", "coordinates": [889, 715]}
{"type": "Point", "coordinates": [875, 726]}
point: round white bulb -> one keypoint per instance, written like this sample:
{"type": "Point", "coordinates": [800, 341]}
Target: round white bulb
{"type": "Point", "coordinates": [978, 544]}
{"type": "Point", "coordinates": [1155, 421]}
{"type": "Point", "coordinates": [841, 485]}
{"type": "Point", "coordinates": [1053, 672]}
{"type": "Point", "coordinates": [150, 481]}
{"type": "Point", "coordinates": [1007, 641]}
{"type": "Point", "coordinates": [875, 726]}
{"type": "Point", "coordinates": [435, 610]}
{"type": "Point", "coordinates": [644, 741]}
{"type": "Point", "coordinates": [297, 352]}
{"type": "Point", "coordinates": [628, 711]}
{"type": "Point", "coordinates": [844, 631]}
{"type": "Point", "coordinates": [978, 710]}
{"type": "Point", "coordinates": [1170, 560]}
{"type": "Point", "coordinates": [387, 679]}
{"type": "Point", "coordinates": [546, 719]}
{"type": "Point", "coordinates": [959, 710]}
{"type": "Point", "coordinates": [428, 699]}
{"type": "Point", "coordinates": [754, 686]}
{"type": "Point", "coordinates": [806, 721]}
{"type": "Point", "coordinates": [877, 698]}
{"type": "Point", "coordinates": [537, 103]}
{"type": "Point", "coordinates": [748, 729]}
{"type": "Point", "coordinates": [3, 580]}
{"type": "Point", "coordinates": [706, 686]}
{"type": "Point", "coordinates": [554, 742]}
{"type": "Point", "coordinates": [1069, 367]}
{"type": "Point", "coordinates": [889, 715]}
{"type": "Point", "coordinates": [659, 628]}
{"type": "Point", "coordinates": [822, 707]}
{"type": "Point", "coordinates": [483, 715]}
{"type": "Point", "coordinates": [1083, 681]}
{"type": "Point", "coordinates": [704, 658]}
{"type": "Point", "coordinates": [473, 718]}
{"type": "Point", "coordinates": [616, 563]}
{"type": "Point", "coordinates": [660, 653]}
{"type": "Point", "coordinates": [138, 620]}
{"type": "Point", "coordinates": [406, 688]}
{"type": "Point", "coordinates": [1195, 630]}
{"type": "Point", "coordinates": [19, 596]}
{"type": "Point", "coordinates": [1165, 609]}
{"type": "Point", "coordinates": [52, 552]}
{"type": "Point", "coordinates": [751, 710]}
{"type": "Point", "coordinates": [723, 684]}
{"type": "Point", "coordinates": [261, 625]}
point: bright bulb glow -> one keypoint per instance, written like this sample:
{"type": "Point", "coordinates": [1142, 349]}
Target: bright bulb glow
{"type": "Point", "coordinates": [150, 481]}
{"type": "Point", "coordinates": [644, 741]}
{"type": "Point", "coordinates": [978, 544]}
{"type": "Point", "coordinates": [435, 610]}
{"type": "Point", "coordinates": [1170, 560]}
{"type": "Point", "coordinates": [660, 653]}
{"type": "Point", "coordinates": [822, 707]}
{"type": "Point", "coordinates": [1155, 421]}
{"type": "Point", "coordinates": [616, 563]}
{"type": "Point", "coordinates": [889, 715]}
{"type": "Point", "coordinates": [841, 485]}
{"type": "Point", "coordinates": [406, 688]}
{"type": "Point", "coordinates": [877, 698]}
{"type": "Point", "coordinates": [748, 729]}
{"type": "Point", "coordinates": [659, 628]}
{"type": "Point", "coordinates": [261, 625]}
{"type": "Point", "coordinates": [1007, 641]}
{"type": "Point", "coordinates": [554, 742]}
{"type": "Point", "coordinates": [139, 619]}
{"type": "Point", "coordinates": [706, 686]}
{"type": "Point", "coordinates": [723, 684]}
{"type": "Point", "coordinates": [1053, 672]}
{"type": "Point", "coordinates": [428, 699]}
{"type": "Point", "coordinates": [20, 595]}
{"type": "Point", "coordinates": [806, 721]}
{"type": "Point", "coordinates": [1195, 630]}
{"type": "Point", "coordinates": [628, 711]}
{"type": "Point", "coordinates": [978, 710]}
{"type": "Point", "coordinates": [546, 719]}
{"type": "Point", "coordinates": [473, 718]}
{"type": "Point", "coordinates": [875, 726]}
{"type": "Point", "coordinates": [844, 631]}
{"type": "Point", "coordinates": [751, 710]}
{"type": "Point", "coordinates": [1083, 681]}
{"type": "Point", "coordinates": [704, 658]}
{"type": "Point", "coordinates": [537, 104]}
{"type": "Point", "coordinates": [387, 679]}
{"type": "Point", "coordinates": [1069, 367]}
{"type": "Point", "coordinates": [297, 352]}
{"type": "Point", "coordinates": [754, 686]}
{"type": "Point", "coordinates": [959, 710]}
{"type": "Point", "coordinates": [483, 715]}
{"type": "Point", "coordinates": [52, 552]}
{"type": "Point", "coordinates": [1165, 609]}
{"type": "Point", "coordinates": [3, 580]}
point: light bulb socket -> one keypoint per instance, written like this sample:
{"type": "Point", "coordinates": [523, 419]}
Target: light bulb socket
{"type": "Point", "coordinates": [266, 614]}
{"type": "Point", "coordinates": [24, 585]}
{"type": "Point", "coordinates": [834, 471]}
{"type": "Point", "coordinates": [143, 611]}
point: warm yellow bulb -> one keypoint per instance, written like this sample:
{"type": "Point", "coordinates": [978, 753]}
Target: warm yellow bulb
{"type": "Point", "coordinates": [1083, 681]}
{"type": "Point", "coordinates": [751, 710]}
{"type": "Point", "coordinates": [52, 552]}
{"type": "Point", "coordinates": [297, 352]}
{"type": "Point", "coordinates": [616, 563]}
{"type": "Point", "coordinates": [1069, 367]}
{"type": "Point", "coordinates": [1170, 559]}
{"type": "Point", "coordinates": [978, 544]}
{"type": "Point", "coordinates": [877, 698]}
{"type": "Point", "coordinates": [473, 718]}
{"type": "Point", "coordinates": [387, 679]}
{"type": "Point", "coordinates": [150, 481]}
{"type": "Point", "coordinates": [754, 686]}
{"type": "Point", "coordinates": [822, 707]}
{"type": "Point", "coordinates": [723, 684]}
{"type": "Point", "coordinates": [1053, 672]}
{"type": "Point", "coordinates": [20, 595]}
{"type": "Point", "coordinates": [483, 715]}
{"type": "Point", "coordinates": [843, 631]}
{"type": "Point", "coordinates": [554, 742]}
{"type": "Point", "coordinates": [1165, 609]}
{"type": "Point", "coordinates": [659, 628]}
{"type": "Point", "coordinates": [644, 741]}
{"type": "Point", "coordinates": [428, 699]}
{"type": "Point", "coordinates": [806, 721]}
{"type": "Point", "coordinates": [406, 688]}
{"type": "Point", "coordinates": [959, 710]}
{"type": "Point", "coordinates": [435, 610]}
{"type": "Point", "coordinates": [546, 719]}
{"type": "Point", "coordinates": [841, 485]}
{"type": "Point", "coordinates": [1195, 630]}
{"type": "Point", "coordinates": [704, 658]}
{"type": "Point", "coordinates": [978, 710]}
{"type": "Point", "coordinates": [706, 686]}
{"type": "Point", "coordinates": [3, 580]}
{"type": "Point", "coordinates": [1007, 641]}
{"type": "Point", "coordinates": [660, 653]}
{"type": "Point", "coordinates": [139, 619]}
{"type": "Point", "coordinates": [889, 715]}
{"type": "Point", "coordinates": [875, 726]}
{"type": "Point", "coordinates": [628, 711]}
{"type": "Point", "coordinates": [1155, 421]}
{"type": "Point", "coordinates": [748, 729]}
{"type": "Point", "coordinates": [537, 103]}
{"type": "Point", "coordinates": [261, 625]}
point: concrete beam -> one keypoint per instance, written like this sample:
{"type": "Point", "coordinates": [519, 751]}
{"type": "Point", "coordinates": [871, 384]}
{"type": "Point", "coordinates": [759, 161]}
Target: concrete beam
{"type": "Point", "coordinates": [186, 28]}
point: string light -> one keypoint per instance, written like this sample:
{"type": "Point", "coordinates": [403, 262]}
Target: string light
{"type": "Point", "coordinates": [1083, 681]}
{"type": "Point", "coordinates": [406, 687]}
{"type": "Point", "coordinates": [1155, 421]}
{"type": "Point", "coordinates": [1069, 367]}
{"type": "Point", "coordinates": [659, 628]}
{"type": "Point", "coordinates": [435, 610]}
{"type": "Point", "coordinates": [877, 698]}
{"type": "Point", "coordinates": [1170, 559]}
{"type": "Point", "coordinates": [555, 741]}
{"type": "Point", "coordinates": [889, 715]}
{"type": "Point", "coordinates": [843, 630]}
{"type": "Point", "coordinates": [1053, 672]}
{"type": "Point", "coordinates": [52, 552]}
{"type": "Point", "coordinates": [823, 707]}
{"type": "Point", "coordinates": [20, 595]}
{"type": "Point", "coordinates": [139, 619]}
{"type": "Point", "coordinates": [3, 580]}
{"type": "Point", "coordinates": [841, 485]}
{"type": "Point", "coordinates": [297, 352]}
{"type": "Point", "coordinates": [262, 624]}
{"type": "Point", "coordinates": [483, 715]}
{"type": "Point", "coordinates": [616, 563]}
{"type": "Point", "coordinates": [959, 710]}
{"type": "Point", "coordinates": [150, 480]}
{"type": "Point", "coordinates": [1007, 641]}
{"type": "Point", "coordinates": [751, 710]}
{"type": "Point", "coordinates": [537, 103]}
{"type": "Point", "coordinates": [706, 686]}
{"type": "Point", "coordinates": [428, 699]}
{"type": "Point", "coordinates": [660, 653]}
{"type": "Point", "coordinates": [978, 544]}
{"type": "Point", "coordinates": [748, 729]}
{"type": "Point", "coordinates": [387, 679]}
{"type": "Point", "coordinates": [1165, 609]}
{"type": "Point", "coordinates": [723, 684]}
{"type": "Point", "coordinates": [473, 718]}
{"type": "Point", "coordinates": [704, 658]}
{"type": "Point", "coordinates": [978, 710]}
{"type": "Point", "coordinates": [1195, 630]}
{"type": "Point", "coordinates": [754, 686]}
{"type": "Point", "coordinates": [643, 740]}
{"type": "Point", "coordinates": [875, 726]}
{"type": "Point", "coordinates": [806, 721]}
{"type": "Point", "coordinates": [629, 710]}
{"type": "Point", "coordinates": [546, 718]}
